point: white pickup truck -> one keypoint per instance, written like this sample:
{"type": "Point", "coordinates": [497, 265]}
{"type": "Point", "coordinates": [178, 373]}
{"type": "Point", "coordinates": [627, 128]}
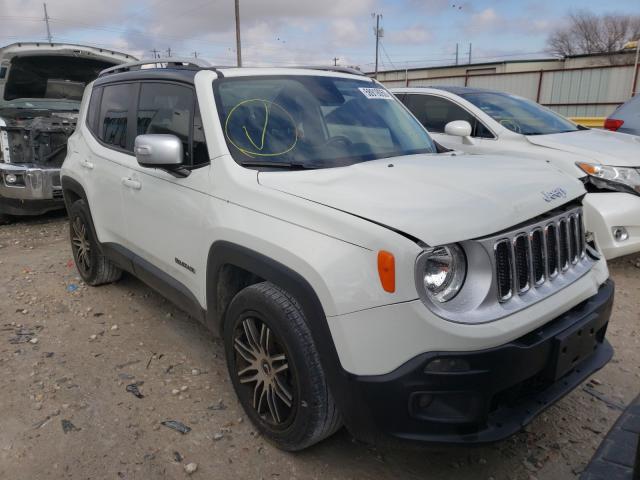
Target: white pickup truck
{"type": "Point", "coordinates": [41, 85]}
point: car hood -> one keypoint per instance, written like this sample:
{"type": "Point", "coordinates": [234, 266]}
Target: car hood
{"type": "Point", "coordinates": [436, 198]}
{"type": "Point", "coordinates": [607, 148]}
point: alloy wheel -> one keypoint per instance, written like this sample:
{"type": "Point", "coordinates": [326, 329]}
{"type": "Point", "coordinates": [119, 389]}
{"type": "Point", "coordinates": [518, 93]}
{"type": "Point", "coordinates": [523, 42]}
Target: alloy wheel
{"type": "Point", "coordinates": [262, 366]}
{"type": "Point", "coordinates": [81, 244]}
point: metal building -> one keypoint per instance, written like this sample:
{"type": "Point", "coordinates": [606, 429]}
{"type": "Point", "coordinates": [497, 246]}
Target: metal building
{"type": "Point", "coordinates": [576, 86]}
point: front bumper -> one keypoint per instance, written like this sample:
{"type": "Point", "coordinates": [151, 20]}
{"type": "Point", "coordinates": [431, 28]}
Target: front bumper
{"type": "Point", "coordinates": [503, 389]}
{"type": "Point", "coordinates": [606, 210]}
{"type": "Point", "coordinates": [37, 190]}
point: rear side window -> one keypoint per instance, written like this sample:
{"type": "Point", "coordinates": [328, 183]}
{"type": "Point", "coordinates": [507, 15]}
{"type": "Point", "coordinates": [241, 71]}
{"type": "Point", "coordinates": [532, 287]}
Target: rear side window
{"type": "Point", "coordinates": [94, 109]}
{"type": "Point", "coordinates": [166, 108]}
{"type": "Point", "coordinates": [114, 113]}
{"type": "Point", "coordinates": [435, 112]}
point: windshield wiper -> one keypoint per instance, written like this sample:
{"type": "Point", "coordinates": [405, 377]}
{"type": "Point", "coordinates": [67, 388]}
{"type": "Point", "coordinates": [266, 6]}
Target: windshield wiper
{"type": "Point", "coordinates": [289, 165]}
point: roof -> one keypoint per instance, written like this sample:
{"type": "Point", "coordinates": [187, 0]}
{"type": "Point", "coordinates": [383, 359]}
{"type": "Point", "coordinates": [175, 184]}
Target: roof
{"type": "Point", "coordinates": [470, 65]}
{"type": "Point", "coordinates": [184, 69]}
{"type": "Point", "coordinates": [172, 74]}
{"type": "Point", "coordinates": [463, 90]}
{"type": "Point", "coordinates": [451, 89]}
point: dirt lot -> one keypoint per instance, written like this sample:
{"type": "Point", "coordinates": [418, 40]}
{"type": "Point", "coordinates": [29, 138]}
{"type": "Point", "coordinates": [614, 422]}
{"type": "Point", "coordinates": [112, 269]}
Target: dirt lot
{"type": "Point", "coordinates": [68, 352]}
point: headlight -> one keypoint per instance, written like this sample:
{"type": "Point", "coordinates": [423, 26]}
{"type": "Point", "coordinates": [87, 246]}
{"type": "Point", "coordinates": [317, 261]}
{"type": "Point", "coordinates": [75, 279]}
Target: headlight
{"type": "Point", "coordinates": [442, 271]}
{"type": "Point", "coordinates": [623, 179]}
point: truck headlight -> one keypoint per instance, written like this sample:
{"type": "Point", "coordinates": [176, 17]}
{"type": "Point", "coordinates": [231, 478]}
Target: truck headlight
{"type": "Point", "coordinates": [11, 179]}
{"type": "Point", "coordinates": [441, 271]}
{"type": "Point", "coordinates": [622, 179]}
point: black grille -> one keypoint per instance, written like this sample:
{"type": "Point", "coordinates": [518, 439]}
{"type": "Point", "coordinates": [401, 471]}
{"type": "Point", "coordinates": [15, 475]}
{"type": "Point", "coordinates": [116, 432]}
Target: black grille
{"type": "Point", "coordinates": [581, 236]}
{"type": "Point", "coordinates": [503, 269]}
{"type": "Point", "coordinates": [521, 256]}
{"type": "Point", "coordinates": [563, 245]}
{"type": "Point", "coordinates": [552, 250]}
{"type": "Point", "coordinates": [531, 257]}
{"type": "Point", "coordinates": [573, 240]}
{"type": "Point", "coordinates": [537, 256]}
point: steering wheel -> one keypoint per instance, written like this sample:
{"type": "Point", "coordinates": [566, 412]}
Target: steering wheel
{"type": "Point", "coordinates": [511, 125]}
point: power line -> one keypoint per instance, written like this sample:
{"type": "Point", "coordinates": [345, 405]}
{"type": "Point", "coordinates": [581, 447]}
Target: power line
{"type": "Point", "coordinates": [387, 55]}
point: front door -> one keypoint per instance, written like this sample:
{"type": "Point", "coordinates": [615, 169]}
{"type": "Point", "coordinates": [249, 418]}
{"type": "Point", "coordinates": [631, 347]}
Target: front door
{"type": "Point", "coordinates": [435, 112]}
{"type": "Point", "coordinates": [165, 214]}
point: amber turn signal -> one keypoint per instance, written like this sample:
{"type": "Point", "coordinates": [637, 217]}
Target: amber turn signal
{"type": "Point", "coordinates": [589, 168]}
{"type": "Point", "coordinates": [387, 271]}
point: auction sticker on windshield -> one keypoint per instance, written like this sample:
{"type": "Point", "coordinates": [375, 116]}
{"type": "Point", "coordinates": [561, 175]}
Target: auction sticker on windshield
{"type": "Point", "coordinates": [376, 93]}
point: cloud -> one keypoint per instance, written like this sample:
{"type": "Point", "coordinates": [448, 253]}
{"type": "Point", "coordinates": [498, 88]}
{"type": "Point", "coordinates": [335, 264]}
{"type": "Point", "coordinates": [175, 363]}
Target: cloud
{"type": "Point", "coordinates": [345, 30]}
{"type": "Point", "coordinates": [411, 35]}
{"type": "Point", "coordinates": [487, 19]}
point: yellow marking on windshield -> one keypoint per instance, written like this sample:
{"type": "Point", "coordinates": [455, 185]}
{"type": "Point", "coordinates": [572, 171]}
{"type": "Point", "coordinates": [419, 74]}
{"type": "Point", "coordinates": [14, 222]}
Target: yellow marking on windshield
{"type": "Point", "coordinates": [258, 150]}
{"type": "Point", "coordinates": [264, 129]}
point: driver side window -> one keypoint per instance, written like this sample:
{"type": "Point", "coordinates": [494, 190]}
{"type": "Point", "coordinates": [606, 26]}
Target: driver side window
{"type": "Point", "coordinates": [435, 112]}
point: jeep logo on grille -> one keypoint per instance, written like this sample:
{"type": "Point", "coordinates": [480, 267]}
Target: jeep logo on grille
{"type": "Point", "coordinates": [554, 194]}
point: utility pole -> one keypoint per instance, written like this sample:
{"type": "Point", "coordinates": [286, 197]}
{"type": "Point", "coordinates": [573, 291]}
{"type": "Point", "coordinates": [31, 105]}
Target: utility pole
{"type": "Point", "coordinates": [46, 21]}
{"type": "Point", "coordinates": [335, 61]}
{"type": "Point", "coordinates": [156, 53]}
{"type": "Point", "coordinates": [469, 53]}
{"type": "Point", "coordinates": [195, 54]}
{"type": "Point", "coordinates": [169, 52]}
{"type": "Point", "coordinates": [378, 33]}
{"type": "Point", "coordinates": [635, 76]}
{"type": "Point", "coordinates": [457, 49]}
{"type": "Point", "coordinates": [238, 43]}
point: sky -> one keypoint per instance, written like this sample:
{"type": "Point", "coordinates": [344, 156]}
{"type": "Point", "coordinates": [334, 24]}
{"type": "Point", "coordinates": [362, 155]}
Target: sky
{"type": "Point", "coordinates": [305, 32]}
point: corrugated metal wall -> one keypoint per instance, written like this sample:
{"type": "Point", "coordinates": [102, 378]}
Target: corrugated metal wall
{"type": "Point", "coordinates": [523, 84]}
{"type": "Point", "coordinates": [584, 92]}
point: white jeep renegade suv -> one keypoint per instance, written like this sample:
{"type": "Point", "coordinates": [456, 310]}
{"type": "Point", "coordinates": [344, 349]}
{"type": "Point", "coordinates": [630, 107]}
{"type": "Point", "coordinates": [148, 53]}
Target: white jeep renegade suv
{"type": "Point", "coordinates": [357, 275]}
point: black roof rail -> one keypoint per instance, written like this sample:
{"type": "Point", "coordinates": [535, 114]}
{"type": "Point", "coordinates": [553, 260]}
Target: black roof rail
{"type": "Point", "coordinates": [199, 64]}
{"type": "Point", "coordinates": [170, 62]}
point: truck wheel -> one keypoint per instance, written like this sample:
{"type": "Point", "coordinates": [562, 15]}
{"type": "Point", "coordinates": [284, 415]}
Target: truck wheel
{"type": "Point", "coordinates": [275, 368]}
{"type": "Point", "coordinates": [94, 268]}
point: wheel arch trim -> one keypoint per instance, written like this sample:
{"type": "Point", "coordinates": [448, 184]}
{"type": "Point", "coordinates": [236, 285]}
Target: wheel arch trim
{"type": "Point", "coordinates": [223, 253]}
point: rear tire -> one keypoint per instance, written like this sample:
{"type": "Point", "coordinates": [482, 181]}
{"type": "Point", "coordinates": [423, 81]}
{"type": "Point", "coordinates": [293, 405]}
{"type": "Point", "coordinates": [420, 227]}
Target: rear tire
{"type": "Point", "coordinates": [275, 368]}
{"type": "Point", "coordinates": [94, 268]}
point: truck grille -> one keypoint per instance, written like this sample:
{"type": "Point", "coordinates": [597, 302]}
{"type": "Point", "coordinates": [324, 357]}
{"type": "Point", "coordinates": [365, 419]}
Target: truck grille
{"type": "Point", "coordinates": [531, 256]}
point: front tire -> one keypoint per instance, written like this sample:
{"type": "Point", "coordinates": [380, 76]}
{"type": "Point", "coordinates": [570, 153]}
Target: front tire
{"type": "Point", "coordinates": [275, 368]}
{"type": "Point", "coordinates": [94, 268]}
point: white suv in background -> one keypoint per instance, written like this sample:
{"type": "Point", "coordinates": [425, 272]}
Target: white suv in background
{"type": "Point", "coordinates": [356, 275]}
{"type": "Point", "coordinates": [481, 121]}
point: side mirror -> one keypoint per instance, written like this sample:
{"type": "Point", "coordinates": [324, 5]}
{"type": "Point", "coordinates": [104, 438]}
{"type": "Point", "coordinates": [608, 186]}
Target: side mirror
{"type": "Point", "coordinates": [160, 151]}
{"type": "Point", "coordinates": [458, 128]}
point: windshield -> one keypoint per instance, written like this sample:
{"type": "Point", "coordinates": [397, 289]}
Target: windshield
{"type": "Point", "coordinates": [520, 115]}
{"type": "Point", "coordinates": [314, 122]}
{"type": "Point", "coordinates": [52, 82]}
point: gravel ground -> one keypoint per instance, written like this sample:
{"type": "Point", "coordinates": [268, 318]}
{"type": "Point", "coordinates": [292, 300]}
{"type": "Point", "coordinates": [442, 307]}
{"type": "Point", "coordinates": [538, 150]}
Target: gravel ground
{"type": "Point", "coordinates": [68, 353]}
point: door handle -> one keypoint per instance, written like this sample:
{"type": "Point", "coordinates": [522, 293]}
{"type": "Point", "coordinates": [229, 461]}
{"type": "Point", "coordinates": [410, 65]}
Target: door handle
{"type": "Point", "coordinates": [87, 165]}
{"type": "Point", "coordinates": [130, 183]}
